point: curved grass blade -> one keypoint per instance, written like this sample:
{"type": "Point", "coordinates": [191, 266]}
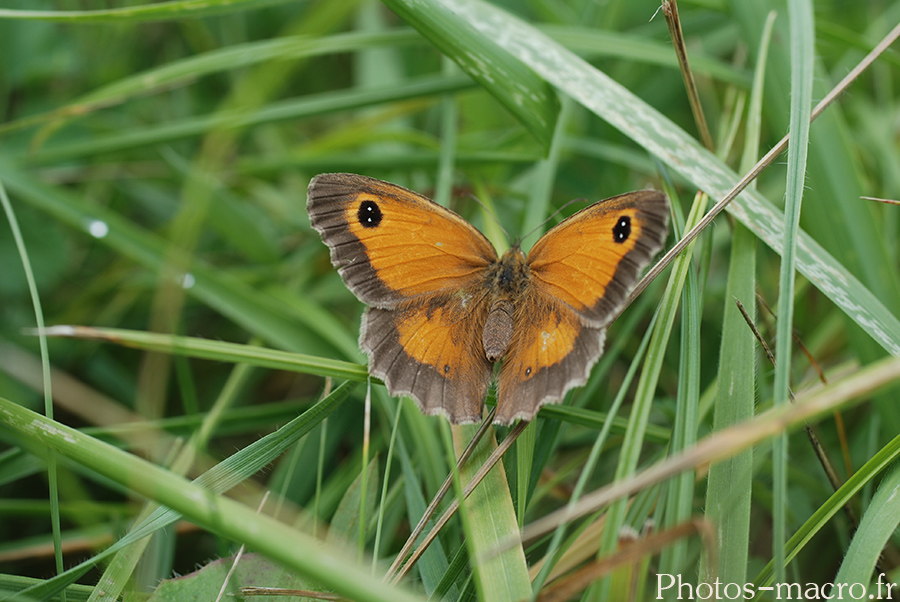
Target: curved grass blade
{"type": "Point", "coordinates": [684, 155]}
{"type": "Point", "coordinates": [218, 479]}
{"type": "Point", "coordinates": [220, 351]}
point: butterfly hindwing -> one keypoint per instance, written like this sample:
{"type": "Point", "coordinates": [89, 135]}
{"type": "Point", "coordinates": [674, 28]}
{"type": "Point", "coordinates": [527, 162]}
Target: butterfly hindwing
{"type": "Point", "coordinates": [551, 352]}
{"type": "Point", "coordinates": [432, 352]}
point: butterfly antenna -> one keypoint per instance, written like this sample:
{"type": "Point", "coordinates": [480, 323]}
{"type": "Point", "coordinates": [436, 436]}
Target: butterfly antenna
{"type": "Point", "coordinates": [552, 215]}
{"type": "Point", "coordinates": [490, 213]}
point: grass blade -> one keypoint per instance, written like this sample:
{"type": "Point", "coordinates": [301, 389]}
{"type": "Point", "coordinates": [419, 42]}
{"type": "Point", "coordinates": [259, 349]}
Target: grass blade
{"type": "Point", "coordinates": [520, 90]}
{"type": "Point", "coordinates": [220, 514]}
{"type": "Point", "coordinates": [802, 42]}
{"type": "Point", "coordinates": [685, 156]}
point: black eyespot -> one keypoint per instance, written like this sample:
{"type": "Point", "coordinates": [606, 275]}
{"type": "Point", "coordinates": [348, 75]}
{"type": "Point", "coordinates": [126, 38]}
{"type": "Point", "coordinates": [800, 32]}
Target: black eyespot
{"type": "Point", "coordinates": [528, 371]}
{"type": "Point", "coordinates": [622, 229]}
{"type": "Point", "coordinates": [369, 214]}
{"type": "Point", "coordinates": [446, 368]}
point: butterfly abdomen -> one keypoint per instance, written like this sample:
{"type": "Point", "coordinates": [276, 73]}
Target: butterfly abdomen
{"type": "Point", "coordinates": [498, 329]}
{"type": "Point", "coordinates": [506, 280]}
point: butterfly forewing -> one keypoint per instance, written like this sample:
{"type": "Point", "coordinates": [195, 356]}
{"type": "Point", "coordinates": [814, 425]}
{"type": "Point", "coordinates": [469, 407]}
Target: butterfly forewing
{"type": "Point", "coordinates": [391, 244]}
{"type": "Point", "coordinates": [592, 260]}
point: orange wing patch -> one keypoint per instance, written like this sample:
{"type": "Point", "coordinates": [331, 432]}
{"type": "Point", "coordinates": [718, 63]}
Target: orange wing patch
{"type": "Point", "coordinates": [579, 274]}
{"type": "Point", "coordinates": [431, 351]}
{"type": "Point", "coordinates": [436, 336]}
{"type": "Point", "coordinates": [417, 249]}
{"type": "Point", "coordinates": [541, 340]}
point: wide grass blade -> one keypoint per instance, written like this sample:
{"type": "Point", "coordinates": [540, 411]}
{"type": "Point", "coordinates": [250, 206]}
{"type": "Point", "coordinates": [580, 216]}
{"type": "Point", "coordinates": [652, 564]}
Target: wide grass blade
{"type": "Point", "coordinates": [220, 478]}
{"type": "Point", "coordinates": [490, 518]}
{"type": "Point", "coordinates": [518, 88]}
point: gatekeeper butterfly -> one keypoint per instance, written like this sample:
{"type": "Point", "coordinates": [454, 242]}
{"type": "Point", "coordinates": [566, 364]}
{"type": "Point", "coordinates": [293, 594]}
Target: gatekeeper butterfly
{"type": "Point", "coordinates": [443, 308]}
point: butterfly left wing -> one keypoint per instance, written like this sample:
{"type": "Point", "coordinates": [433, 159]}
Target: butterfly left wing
{"type": "Point", "coordinates": [421, 269]}
{"type": "Point", "coordinates": [432, 352]}
{"type": "Point", "coordinates": [581, 272]}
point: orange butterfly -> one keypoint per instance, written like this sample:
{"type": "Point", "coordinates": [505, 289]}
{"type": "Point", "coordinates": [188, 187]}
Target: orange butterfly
{"type": "Point", "coordinates": [443, 307]}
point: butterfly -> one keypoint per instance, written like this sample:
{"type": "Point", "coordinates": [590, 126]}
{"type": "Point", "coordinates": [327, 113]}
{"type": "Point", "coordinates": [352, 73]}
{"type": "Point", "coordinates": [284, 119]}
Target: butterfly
{"type": "Point", "coordinates": [443, 308]}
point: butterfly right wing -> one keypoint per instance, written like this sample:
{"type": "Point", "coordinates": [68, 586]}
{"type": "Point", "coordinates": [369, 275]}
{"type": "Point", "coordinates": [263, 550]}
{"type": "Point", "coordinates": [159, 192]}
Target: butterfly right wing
{"type": "Point", "coordinates": [581, 273]}
{"type": "Point", "coordinates": [552, 351]}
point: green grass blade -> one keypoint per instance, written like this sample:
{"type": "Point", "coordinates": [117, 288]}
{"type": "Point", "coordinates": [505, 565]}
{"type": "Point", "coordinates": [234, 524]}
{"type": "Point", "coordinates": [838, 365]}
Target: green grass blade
{"type": "Point", "coordinates": [260, 313]}
{"type": "Point", "coordinates": [188, 70]}
{"type": "Point", "coordinates": [159, 11]}
{"type": "Point", "coordinates": [680, 490]}
{"type": "Point", "coordinates": [867, 473]}
{"type": "Point", "coordinates": [217, 351]}
{"type": "Point", "coordinates": [633, 442]}
{"type": "Point", "coordinates": [553, 550]}
{"type": "Point", "coordinates": [842, 393]}
{"type": "Point", "coordinates": [433, 563]}
{"type": "Point", "coordinates": [219, 514]}
{"type": "Point", "coordinates": [52, 474]}
{"type": "Point", "coordinates": [121, 568]}
{"type": "Point", "coordinates": [802, 53]}
{"type": "Point", "coordinates": [730, 483]}
{"type": "Point", "coordinates": [222, 477]}
{"type": "Point", "coordinates": [318, 104]}
{"type": "Point", "coordinates": [591, 43]}
{"type": "Point", "coordinates": [875, 529]}
{"type": "Point", "coordinates": [489, 518]}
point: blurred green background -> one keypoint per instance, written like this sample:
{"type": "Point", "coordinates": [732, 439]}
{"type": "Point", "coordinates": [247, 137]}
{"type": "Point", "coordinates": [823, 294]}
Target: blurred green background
{"type": "Point", "coordinates": [157, 157]}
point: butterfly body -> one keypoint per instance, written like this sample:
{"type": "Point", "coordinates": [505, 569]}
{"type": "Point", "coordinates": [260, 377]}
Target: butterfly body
{"type": "Point", "coordinates": [443, 307]}
{"type": "Point", "coordinates": [507, 281]}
